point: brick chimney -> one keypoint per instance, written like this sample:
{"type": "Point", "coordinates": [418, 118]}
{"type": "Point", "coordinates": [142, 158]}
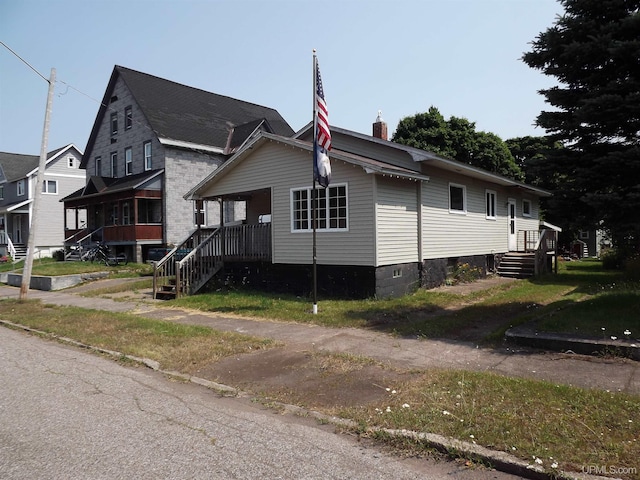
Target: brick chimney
{"type": "Point", "coordinates": [380, 127]}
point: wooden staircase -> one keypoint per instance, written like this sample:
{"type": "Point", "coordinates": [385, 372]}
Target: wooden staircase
{"type": "Point", "coordinates": [189, 266]}
{"type": "Point", "coordinates": [517, 265]}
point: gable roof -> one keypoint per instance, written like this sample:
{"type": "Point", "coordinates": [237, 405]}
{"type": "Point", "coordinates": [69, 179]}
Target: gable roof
{"type": "Point", "coordinates": [104, 185]}
{"type": "Point", "coordinates": [185, 115]}
{"type": "Point", "coordinates": [369, 165]}
{"type": "Point", "coordinates": [431, 159]}
{"type": "Point", "coordinates": [17, 165]}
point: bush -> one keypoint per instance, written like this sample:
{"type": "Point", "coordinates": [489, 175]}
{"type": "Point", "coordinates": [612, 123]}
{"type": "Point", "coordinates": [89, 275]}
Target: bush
{"type": "Point", "coordinates": [58, 255]}
{"type": "Point", "coordinates": [632, 267]}
{"type": "Point", "coordinates": [611, 259]}
{"type": "Point", "coordinates": [465, 273]}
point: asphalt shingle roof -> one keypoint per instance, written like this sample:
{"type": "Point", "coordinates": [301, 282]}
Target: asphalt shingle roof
{"type": "Point", "coordinates": [184, 113]}
{"type": "Point", "coordinates": [17, 165]}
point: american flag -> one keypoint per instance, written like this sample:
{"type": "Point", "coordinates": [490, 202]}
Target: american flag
{"type": "Point", "coordinates": [324, 135]}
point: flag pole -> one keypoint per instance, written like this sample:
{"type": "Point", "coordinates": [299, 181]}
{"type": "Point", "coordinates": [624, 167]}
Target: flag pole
{"type": "Point", "coordinates": [313, 192]}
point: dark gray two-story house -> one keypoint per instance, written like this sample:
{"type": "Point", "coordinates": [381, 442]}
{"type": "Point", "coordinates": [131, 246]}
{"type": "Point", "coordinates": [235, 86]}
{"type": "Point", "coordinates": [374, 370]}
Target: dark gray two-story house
{"type": "Point", "coordinates": [151, 142]}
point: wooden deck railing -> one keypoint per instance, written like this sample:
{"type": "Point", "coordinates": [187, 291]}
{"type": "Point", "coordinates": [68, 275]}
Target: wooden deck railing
{"type": "Point", "coordinates": [193, 263]}
{"type": "Point", "coordinates": [542, 243]}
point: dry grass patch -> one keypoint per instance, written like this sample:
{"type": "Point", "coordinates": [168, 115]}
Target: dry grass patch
{"type": "Point", "coordinates": [562, 426]}
{"type": "Point", "coordinates": [176, 347]}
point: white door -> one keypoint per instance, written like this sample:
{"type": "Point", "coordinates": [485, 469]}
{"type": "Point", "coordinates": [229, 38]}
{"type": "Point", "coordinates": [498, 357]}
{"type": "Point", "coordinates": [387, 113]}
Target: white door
{"type": "Point", "coordinates": [512, 242]}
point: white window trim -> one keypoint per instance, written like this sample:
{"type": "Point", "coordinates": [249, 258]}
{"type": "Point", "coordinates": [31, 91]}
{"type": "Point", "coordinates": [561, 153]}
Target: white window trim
{"type": "Point", "coordinates": [525, 201]}
{"type": "Point", "coordinates": [310, 229]}
{"type": "Point", "coordinates": [495, 204]}
{"type": "Point", "coordinates": [45, 184]}
{"type": "Point", "coordinates": [20, 188]}
{"type": "Point", "coordinates": [464, 198]}
{"type": "Point", "coordinates": [113, 166]}
{"type": "Point", "coordinates": [1, 192]}
{"type": "Point", "coordinates": [148, 160]}
{"type": "Point", "coordinates": [128, 161]}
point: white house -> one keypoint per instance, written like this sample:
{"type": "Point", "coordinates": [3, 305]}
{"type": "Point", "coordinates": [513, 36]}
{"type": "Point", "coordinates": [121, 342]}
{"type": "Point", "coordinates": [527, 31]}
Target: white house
{"type": "Point", "coordinates": [394, 218]}
{"type": "Point", "coordinates": [18, 174]}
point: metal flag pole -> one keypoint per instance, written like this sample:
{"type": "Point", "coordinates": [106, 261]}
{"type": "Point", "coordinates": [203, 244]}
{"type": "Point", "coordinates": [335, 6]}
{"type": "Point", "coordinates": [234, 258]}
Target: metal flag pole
{"type": "Point", "coordinates": [313, 191]}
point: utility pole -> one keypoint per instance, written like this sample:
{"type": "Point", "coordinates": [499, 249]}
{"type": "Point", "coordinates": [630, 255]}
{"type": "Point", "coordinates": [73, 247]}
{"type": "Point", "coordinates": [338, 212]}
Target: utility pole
{"type": "Point", "coordinates": [31, 244]}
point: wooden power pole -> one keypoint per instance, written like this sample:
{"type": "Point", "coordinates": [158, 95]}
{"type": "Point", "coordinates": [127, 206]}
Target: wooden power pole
{"type": "Point", "coordinates": [31, 244]}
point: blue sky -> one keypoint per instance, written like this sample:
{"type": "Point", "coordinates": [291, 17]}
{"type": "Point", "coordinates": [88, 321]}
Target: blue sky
{"type": "Point", "coordinates": [397, 56]}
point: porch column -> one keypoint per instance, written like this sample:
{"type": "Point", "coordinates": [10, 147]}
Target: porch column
{"type": "Point", "coordinates": [222, 235]}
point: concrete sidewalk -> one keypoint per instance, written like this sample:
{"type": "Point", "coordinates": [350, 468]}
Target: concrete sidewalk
{"type": "Point", "coordinates": [614, 374]}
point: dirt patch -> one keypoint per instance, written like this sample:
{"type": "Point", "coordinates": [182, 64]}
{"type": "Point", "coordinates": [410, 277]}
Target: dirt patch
{"type": "Point", "coordinates": [311, 379]}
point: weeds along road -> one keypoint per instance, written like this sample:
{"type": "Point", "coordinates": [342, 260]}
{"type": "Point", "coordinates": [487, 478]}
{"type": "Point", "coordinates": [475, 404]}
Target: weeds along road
{"type": "Point", "coordinates": [66, 413]}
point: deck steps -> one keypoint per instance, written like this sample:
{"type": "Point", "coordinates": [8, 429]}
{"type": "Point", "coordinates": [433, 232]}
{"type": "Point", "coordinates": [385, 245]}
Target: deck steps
{"type": "Point", "coordinates": [517, 265]}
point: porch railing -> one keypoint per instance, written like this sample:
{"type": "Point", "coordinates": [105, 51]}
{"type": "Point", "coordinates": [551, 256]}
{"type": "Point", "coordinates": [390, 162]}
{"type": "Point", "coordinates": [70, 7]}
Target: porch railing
{"type": "Point", "coordinates": [164, 270]}
{"type": "Point", "coordinates": [5, 239]}
{"type": "Point", "coordinates": [201, 255]}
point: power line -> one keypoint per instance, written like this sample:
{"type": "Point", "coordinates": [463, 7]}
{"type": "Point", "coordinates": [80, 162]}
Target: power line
{"type": "Point", "coordinates": [24, 61]}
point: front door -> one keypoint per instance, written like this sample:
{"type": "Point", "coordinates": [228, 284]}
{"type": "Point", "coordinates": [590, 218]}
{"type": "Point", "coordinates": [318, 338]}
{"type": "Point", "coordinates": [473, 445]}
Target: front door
{"type": "Point", "coordinates": [512, 242]}
{"type": "Point", "coordinates": [17, 229]}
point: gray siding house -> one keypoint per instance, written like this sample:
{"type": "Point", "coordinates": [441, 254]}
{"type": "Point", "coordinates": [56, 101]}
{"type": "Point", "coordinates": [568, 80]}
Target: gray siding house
{"type": "Point", "coordinates": [394, 218]}
{"type": "Point", "coordinates": [152, 141]}
{"type": "Point", "coordinates": [18, 174]}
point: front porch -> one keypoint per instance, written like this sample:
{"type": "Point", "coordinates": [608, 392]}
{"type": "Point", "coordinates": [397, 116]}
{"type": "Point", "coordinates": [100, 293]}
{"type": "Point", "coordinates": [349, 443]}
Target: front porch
{"type": "Point", "coordinates": [125, 219]}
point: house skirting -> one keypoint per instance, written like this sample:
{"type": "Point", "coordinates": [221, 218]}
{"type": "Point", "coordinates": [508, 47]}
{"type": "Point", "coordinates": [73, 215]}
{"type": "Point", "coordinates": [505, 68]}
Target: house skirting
{"type": "Point", "coordinates": [339, 281]}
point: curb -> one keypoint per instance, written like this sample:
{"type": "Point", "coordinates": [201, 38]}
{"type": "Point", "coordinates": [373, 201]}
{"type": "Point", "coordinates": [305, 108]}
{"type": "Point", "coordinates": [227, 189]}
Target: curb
{"type": "Point", "coordinates": [527, 335]}
{"type": "Point", "coordinates": [501, 461]}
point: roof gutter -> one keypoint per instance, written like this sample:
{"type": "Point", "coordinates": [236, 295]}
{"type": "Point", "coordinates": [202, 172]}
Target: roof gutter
{"type": "Point", "coordinates": [190, 146]}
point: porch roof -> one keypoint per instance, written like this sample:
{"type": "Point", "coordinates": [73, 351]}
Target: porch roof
{"type": "Point", "coordinates": [15, 207]}
{"type": "Point", "coordinates": [99, 186]}
{"type": "Point", "coordinates": [369, 165]}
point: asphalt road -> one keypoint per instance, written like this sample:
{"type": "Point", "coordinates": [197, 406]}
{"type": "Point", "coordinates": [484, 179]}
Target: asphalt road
{"type": "Point", "coordinates": [66, 413]}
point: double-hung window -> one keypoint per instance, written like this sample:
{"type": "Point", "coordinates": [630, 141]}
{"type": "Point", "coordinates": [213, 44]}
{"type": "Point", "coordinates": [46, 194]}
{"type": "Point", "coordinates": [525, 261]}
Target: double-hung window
{"type": "Point", "coordinates": [128, 161]}
{"type": "Point", "coordinates": [114, 164]}
{"type": "Point", "coordinates": [20, 188]}
{"type": "Point", "coordinates": [98, 166]}
{"type": "Point", "coordinates": [146, 150]}
{"type": "Point", "coordinates": [491, 204]}
{"type": "Point", "coordinates": [114, 123]}
{"type": "Point", "coordinates": [331, 209]}
{"type": "Point", "coordinates": [128, 118]}
{"type": "Point", "coordinates": [457, 198]}
{"type": "Point", "coordinates": [50, 186]}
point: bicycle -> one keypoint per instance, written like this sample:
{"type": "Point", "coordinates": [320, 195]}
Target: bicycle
{"type": "Point", "coordinates": [101, 253]}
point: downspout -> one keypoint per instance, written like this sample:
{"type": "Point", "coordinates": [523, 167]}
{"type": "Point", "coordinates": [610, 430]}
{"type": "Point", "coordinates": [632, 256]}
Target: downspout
{"type": "Point", "coordinates": [420, 233]}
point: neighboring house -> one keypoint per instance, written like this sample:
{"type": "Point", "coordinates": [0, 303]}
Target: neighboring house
{"type": "Point", "coordinates": [393, 218]}
{"type": "Point", "coordinates": [18, 175]}
{"type": "Point", "coordinates": [152, 141]}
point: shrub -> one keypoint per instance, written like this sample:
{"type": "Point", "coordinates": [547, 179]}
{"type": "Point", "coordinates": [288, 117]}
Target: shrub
{"type": "Point", "coordinates": [465, 273]}
{"type": "Point", "coordinates": [632, 267]}
{"type": "Point", "coordinates": [58, 255]}
{"type": "Point", "coordinates": [611, 259]}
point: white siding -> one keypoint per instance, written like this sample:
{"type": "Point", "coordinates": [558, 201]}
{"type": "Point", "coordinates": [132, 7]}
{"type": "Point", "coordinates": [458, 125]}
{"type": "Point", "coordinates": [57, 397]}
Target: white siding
{"type": "Point", "coordinates": [448, 234]}
{"type": "Point", "coordinates": [50, 221]}
{"type": "Point", "coordinates": [282, 168]}
{"type": "Point", "coordinates": [397, 221]}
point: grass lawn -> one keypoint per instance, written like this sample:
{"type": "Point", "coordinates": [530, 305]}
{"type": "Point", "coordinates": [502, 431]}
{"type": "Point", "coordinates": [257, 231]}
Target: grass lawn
{"type": "Point", "coordinates": [563, 427]}
{"type": "Point", "coordinates": [51, 267]}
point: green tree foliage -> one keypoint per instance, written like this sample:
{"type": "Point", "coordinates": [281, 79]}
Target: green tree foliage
{"type": "Point", "coordinates": [458, 139]}
{"type": "Point", "coordinates": [593, 50]}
